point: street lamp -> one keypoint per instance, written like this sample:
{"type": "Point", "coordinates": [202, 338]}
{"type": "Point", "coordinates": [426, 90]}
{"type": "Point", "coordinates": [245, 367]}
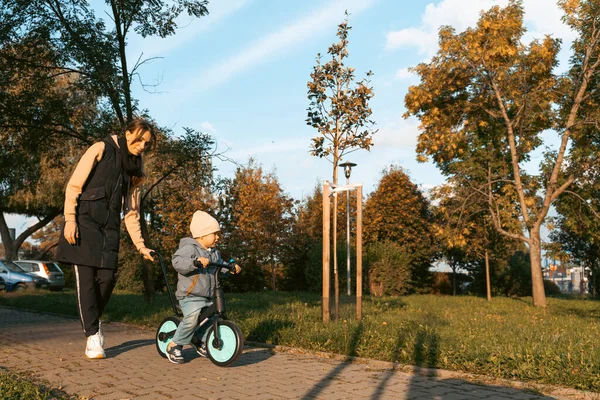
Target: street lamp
{"type": "Point", "coordinates": [347, 171]}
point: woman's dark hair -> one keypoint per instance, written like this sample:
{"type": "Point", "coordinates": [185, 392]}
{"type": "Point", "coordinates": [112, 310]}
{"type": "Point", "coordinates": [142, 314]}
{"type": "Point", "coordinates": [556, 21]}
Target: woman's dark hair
{"type": "Point", "coordinates": [142, 126]}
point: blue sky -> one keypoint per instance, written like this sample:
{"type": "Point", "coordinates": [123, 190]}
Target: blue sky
{"type": "Point", "coordinates": [240, 74]}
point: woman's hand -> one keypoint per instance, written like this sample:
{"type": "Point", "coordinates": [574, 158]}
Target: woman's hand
{"type": "Point", "coordinates": [238, 269]}
{"type": "Point", "coordinates": [147, 253]}
{"type": "Point", "coordinates": [71, 232]}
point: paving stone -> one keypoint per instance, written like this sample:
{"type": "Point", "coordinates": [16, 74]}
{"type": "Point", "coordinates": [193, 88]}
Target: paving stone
{"type": "Point", "coordinates": [52, 348]}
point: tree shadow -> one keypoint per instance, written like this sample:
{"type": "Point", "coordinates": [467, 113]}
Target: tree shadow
{"type": "Point", "coordinates": [115, 351]}
{"type": "Point", "coordinates": [426, 383]}
{"type": "Point", "coordinates": [324, 382]}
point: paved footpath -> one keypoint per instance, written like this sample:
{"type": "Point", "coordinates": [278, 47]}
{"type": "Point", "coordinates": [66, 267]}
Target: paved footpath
{"type": "Point", "coordinates": [51, 348]}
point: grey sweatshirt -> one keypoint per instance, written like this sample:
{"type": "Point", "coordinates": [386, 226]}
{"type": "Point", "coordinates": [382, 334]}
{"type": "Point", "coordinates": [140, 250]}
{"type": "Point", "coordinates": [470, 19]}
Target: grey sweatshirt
{"type": "Point", "coordinates": [191, 280]}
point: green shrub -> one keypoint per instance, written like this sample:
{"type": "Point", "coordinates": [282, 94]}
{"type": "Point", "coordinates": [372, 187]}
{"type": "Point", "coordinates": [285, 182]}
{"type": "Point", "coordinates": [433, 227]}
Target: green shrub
{"type": "Point", "coordinates": [313, 271]}
{"type": "Point", "coordinates": [442, 282]}
{"type": "Point", "coordinates": [388, 269]}
{"type": "Point", "coordinates": [551, 288]}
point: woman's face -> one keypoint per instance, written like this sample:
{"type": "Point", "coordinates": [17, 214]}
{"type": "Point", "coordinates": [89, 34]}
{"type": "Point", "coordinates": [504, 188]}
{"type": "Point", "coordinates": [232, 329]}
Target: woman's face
{"type": "Point", "coordinates": [136, 143]}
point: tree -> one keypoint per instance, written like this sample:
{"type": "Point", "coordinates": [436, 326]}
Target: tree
{"type": "Point", "coordinates": [486, 90]}
{"type": "Point", "coordinates": [42, 109]}
{"type": "Point", "coordinates": [398, 212]}
{"type": "Point", "coordinates": [43, 198]}
{"type": "Point", "coordinates": [96, 52]}
{"type": "Point", "coordinates": [180, 181]}
{"type": "Point", "coordinates": [309, 225]}
{"type": "Point", "coordinates": [259, 217]}
{"type": "Point", "coordinates": [341, 114]}
{"type": "Point", "coordinates": [465, 234]}
{"type": "Point", "coordinates": [575, 231]}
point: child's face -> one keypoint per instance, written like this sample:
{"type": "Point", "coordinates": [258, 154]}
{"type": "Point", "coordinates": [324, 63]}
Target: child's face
{"type": "Point", "coordinates": [209, 241]}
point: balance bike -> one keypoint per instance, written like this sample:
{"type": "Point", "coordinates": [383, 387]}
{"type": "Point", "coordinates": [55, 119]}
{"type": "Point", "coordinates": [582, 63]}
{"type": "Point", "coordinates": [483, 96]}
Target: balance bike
{"type": "Point", "coordinates": [224, 340]}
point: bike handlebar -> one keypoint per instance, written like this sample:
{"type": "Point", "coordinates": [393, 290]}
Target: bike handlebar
{"type": "Point", "coordinates": [230, 265]}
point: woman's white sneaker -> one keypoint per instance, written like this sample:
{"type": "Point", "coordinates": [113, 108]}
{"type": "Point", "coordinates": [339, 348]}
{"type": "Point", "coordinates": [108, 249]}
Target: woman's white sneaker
{"type": "Point", "coordinates": [94, 349]}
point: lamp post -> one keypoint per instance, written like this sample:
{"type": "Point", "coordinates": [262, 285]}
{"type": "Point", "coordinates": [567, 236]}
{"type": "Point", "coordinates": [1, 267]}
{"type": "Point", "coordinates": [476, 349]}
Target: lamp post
{"type": "Point", "coordinates": [347, 171]}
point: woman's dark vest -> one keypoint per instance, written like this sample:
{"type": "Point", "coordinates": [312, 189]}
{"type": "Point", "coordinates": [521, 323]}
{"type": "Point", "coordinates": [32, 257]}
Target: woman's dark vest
{"type": "Point", "coordinates": [98, 214]}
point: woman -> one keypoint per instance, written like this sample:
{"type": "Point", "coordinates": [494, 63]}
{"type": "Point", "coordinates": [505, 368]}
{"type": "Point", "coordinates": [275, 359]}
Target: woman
{"type": "Point", "coordinates": [106, 180]}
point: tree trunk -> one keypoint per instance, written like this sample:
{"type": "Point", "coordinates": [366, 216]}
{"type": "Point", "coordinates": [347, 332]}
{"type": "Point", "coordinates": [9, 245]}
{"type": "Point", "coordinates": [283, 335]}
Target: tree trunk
{"type": "Point", "coordinates": [123, 57]}
{"type": "Point", "coordinates": [11, 247]}
{"type": "Point", "coordinates": [453, 279]}
{"type": "Point", "coordinates": [336, 284]}
{"type": "Point", "coordinates": [537, 279]}
{"type": "Point", "coordinates": [7, 241]}
{"type": "Point", "coordinates": [488, 285]}
{"type": "Point", "coordinates": [594, 280]}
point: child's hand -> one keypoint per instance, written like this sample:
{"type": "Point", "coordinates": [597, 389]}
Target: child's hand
{"type": "Point", "coordinates": [238, 269]}
{"type": "Point", "coordinates": [203, 260]}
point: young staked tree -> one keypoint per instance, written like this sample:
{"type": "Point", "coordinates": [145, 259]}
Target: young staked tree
{"type": "Point", "coordinates": [339, 110]}
{"type": "Point", "coordinates": [486, 88]}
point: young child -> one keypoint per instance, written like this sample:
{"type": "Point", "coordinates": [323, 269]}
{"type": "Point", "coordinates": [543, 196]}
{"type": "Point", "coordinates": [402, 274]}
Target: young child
{"type": "Point", "coordinates": [195, 285]}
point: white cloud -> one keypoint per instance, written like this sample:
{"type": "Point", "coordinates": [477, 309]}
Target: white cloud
{"type": "Point", "coordinates": [541, 16]}
{"type": "Point", "coordinates": [270, 45]}
{"type": "Point", "coordinates": [404, 73]}
{"type": "Point", "coordinates": [411, 37]}
{"type": "Point", "coordinates": [458, 13]}
{"type": "Point", "coordinates": [545, 18]}
{"type": "Point", "coordinates": [208, 127]}
{"type": "Point", "coordinates": [399, 134]}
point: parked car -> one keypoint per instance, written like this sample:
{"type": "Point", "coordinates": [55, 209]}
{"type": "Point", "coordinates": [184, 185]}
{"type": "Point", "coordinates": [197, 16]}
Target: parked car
{"type": "Point", "coordinates": [2, 284]}
{"type": "Point", "coordinates": [17, 278]}
{"type": "Point", "coordinates": [46, 269]}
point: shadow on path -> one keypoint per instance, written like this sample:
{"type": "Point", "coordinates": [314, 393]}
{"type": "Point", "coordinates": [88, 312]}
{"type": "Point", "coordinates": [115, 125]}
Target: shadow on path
{"type": "Point", "coordinates": [324, 382]}
{"type": "Point", "coordinates": [115, 351]}
{"type": "Point", "coordinates": [424, 383]}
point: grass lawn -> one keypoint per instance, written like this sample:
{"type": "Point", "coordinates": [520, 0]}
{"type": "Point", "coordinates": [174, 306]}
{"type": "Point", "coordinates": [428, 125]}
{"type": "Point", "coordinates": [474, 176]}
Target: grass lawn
{"type": "Point", "coordinates": [16, 387]}
{"type": "Point", "coordinates": [505, 338]}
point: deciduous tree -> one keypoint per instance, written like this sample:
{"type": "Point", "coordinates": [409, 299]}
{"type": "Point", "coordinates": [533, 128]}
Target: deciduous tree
{"type": "Point", "coordinates": [259, 217]}
{"type": "Point", "coordinates": [484, 87]}
{"type": "Point", "coordinates": [398, 212]}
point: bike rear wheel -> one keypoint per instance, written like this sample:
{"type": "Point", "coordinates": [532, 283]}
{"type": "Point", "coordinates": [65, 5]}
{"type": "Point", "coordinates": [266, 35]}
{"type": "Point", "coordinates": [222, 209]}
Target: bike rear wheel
{"type": "Point", "coordinates": [164, 334]}
{"type": "Point", "coordinates": [232, 344]}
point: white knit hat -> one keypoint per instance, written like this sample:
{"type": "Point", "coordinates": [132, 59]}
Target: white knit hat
{"type": "Point", "coordinates": [203, 224]}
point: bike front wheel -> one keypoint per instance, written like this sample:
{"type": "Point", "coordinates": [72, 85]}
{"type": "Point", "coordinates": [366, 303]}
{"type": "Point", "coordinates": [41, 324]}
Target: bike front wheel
{"type": "Point", "coordinates": [164, 334]}
{"type": "Point", "coordinates": [229, 347]}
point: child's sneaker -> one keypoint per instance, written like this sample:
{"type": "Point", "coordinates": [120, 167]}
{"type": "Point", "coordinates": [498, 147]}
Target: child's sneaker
{"type": "Point", "coordinates": [200, 348]}
{"type": "Point", "coordinates": [174, 353]}
{"type": "Point", "coordinates": [94, 349]}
